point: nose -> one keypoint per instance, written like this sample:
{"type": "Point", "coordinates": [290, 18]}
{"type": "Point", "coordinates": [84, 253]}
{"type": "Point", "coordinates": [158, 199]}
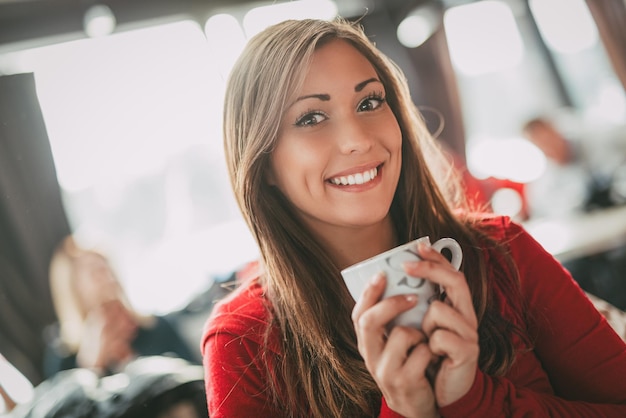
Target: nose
{"type": "Point", "coordinates": [353, 136]}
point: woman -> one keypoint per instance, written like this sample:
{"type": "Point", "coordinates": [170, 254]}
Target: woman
{"type": "Point", "coordinates": [98, 329]}
{"type": "Point", "coordinates": [332, 164]}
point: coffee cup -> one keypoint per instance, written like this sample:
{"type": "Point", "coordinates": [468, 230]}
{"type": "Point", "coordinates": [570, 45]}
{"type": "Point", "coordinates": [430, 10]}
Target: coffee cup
{"type": "Point", "coordinates": [399, 282]}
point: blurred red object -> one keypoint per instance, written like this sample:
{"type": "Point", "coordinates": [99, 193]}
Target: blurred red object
{"type": "Point", "coordinates": [479, 192]}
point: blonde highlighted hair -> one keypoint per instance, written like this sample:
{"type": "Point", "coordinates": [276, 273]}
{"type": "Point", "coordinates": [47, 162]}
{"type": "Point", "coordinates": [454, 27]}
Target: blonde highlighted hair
{"type": "Point", "coordinates": [320, 372]}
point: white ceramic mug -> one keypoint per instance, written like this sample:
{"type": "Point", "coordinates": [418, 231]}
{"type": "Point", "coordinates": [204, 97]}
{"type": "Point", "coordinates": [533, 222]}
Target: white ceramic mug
{"type": "Point", "coordinates": [399, 282]}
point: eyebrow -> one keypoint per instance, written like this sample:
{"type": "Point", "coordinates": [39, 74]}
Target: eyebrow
{"type": "Point", "coordinates": [362, 84]}
{"type": "Point", "coordinates": [326, 97]}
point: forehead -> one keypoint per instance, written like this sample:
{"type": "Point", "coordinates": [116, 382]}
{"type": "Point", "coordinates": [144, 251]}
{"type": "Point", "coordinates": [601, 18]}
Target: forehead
{"type": "Point", "coordinates": [335, 63]}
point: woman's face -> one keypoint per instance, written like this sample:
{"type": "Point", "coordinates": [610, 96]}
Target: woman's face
{"type": "Point", "coordinates": [338, 154]}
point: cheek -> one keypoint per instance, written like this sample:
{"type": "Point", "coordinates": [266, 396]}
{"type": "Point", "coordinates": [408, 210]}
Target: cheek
{"type": "Point", "coordinates": [386, 124]}
{"type": "Point", "coordinates": [393, 135]}
{"type": "Point", "coordinates": [296, 162]}
{"type": "Point", "coordinates": [279, 167]}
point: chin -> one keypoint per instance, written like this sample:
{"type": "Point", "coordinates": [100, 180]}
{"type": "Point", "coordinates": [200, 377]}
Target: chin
{"type": "Point", "coordinates": [367, 219]}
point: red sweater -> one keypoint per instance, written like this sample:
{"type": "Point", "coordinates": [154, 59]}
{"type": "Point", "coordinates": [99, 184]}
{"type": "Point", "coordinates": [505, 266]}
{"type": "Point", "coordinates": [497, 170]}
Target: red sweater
{"type": "Point", "coordinates": [577, 367]}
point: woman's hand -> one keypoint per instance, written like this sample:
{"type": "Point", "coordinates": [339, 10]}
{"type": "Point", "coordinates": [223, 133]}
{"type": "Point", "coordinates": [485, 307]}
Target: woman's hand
{"type": "Point", "coordinates": [397, 361]}
{"type": "Point", "coordinates": [450, 326]}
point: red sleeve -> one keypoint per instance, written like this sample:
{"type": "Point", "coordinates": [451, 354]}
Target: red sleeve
{"type": "Point", "coordinates": [235, 380]}
{"type": "Point", "coordinates": [585, 360]}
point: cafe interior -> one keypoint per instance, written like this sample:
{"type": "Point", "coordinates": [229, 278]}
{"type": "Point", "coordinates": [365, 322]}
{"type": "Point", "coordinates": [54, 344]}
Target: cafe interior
{"type": "Point", "coordinates": [110, 129]}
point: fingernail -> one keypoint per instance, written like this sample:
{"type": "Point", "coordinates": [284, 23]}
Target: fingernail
{"type": "Point", "coordinates": [422, 247]}
{"type": "Point", "coordinates": [410, 264]}
{"type": "Point", "coordinates": [411, 298]}
{"type": "Point", "coordinates": [377, 279]}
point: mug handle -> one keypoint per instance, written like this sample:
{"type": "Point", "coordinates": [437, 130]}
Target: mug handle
{"type": "Point", "coordinates": [455, 249]}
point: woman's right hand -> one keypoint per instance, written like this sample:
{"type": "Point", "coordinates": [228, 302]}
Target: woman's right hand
{"type": "Point", "coordinates": [397, 361]}
{"type": "Point", "coordinates": [107, 337]}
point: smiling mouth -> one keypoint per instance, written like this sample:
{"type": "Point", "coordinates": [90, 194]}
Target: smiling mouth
{"type": "Point", "coordinates": [358, 178]}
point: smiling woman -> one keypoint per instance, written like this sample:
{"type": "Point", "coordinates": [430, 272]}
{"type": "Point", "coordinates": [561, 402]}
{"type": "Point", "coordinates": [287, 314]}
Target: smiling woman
{"type": "Point", "coordinates": [313, 163]}
{"type": "Point", "coordinates": [134, 119]}
{"type": "Point", "coordinates": [311, 106]}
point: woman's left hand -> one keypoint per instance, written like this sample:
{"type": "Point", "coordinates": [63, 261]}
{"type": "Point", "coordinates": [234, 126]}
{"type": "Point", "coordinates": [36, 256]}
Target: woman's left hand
{"type": "Point", "coordinates": [451, 326]}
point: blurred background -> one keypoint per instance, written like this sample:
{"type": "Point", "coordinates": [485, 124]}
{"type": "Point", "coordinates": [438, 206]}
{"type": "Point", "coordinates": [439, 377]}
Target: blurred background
{"type": "Point", "coordinates": [110, 128]}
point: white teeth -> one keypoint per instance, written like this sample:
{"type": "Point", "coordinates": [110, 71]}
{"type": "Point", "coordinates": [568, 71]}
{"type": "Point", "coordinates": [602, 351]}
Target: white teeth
{"type": "Point", "coordinates": [359, 178]}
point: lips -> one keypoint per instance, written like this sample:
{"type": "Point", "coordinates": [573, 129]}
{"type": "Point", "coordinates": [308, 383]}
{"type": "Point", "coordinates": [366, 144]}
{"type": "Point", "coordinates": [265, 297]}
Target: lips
{"type": "Point", "coordinates": [357, 178]}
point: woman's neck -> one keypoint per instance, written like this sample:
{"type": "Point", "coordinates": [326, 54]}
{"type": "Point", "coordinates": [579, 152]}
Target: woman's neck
{"type": "Point", "coordinates": [348, 246]}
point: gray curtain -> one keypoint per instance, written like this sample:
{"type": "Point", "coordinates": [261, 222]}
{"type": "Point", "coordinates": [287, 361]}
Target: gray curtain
{"type": "Point", "coordinates": [32, 222]}
{"type": "Point", "coordinates": [610, 17]}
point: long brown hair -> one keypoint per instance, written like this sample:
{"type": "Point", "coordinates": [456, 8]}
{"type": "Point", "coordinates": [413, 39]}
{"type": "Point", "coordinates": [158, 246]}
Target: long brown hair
{"type": "Point", "coordinates": [320, 371]}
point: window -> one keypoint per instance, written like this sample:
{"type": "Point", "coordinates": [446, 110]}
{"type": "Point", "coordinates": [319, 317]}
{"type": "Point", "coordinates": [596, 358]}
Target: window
{"type": "Point", "coordinates": [134, 121]}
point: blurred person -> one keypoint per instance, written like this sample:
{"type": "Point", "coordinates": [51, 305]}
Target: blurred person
{"type": "Point", "coordinates": [565, 185]}
{"type": "Point", "coordinates": [97, 326]}
{"type": "Point", "coordinates": [573, 182]}
{"type": "Point", "coordinates": [331, 163]}
{"type": "Point", "coordinates": [541, 132]}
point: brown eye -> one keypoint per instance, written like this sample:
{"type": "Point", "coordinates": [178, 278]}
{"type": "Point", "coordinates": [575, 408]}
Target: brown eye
{"type": "Point", "coordinates": [310, 119]}
{"type": "Point", "coordinates": [371, 103]}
